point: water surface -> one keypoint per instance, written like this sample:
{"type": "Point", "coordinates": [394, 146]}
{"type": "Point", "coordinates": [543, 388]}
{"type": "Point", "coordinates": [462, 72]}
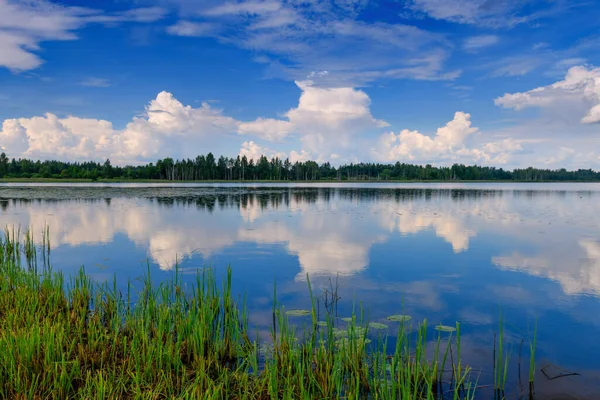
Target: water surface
{"type": "Point", "coordinates": [445, 252]}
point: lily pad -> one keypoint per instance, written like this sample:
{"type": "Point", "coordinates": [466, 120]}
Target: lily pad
{"type": "Point", "coordinates": [399, 318]}
{"type": "Point", "coordinates": [359, 331]}
{"type": "Point", "coordinates": [340, 332]}
{"type": "Point", "coordinates": [445, 328]}
{"type": "Point", "coordinates": [322, 323]}
{"type": "Point", "coordinates": [347, 319]}
{"type": "Point", "coordinates": [297, 313]}
{"type": "Point", "coordinates": [377, 325]}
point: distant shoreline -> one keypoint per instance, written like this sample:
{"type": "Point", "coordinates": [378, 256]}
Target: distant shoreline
{"type": "Point", "coordinates": [373, 181]}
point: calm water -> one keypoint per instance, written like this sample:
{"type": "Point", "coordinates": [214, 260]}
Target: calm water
{"type": "Point", "coordinates": [447, 253]}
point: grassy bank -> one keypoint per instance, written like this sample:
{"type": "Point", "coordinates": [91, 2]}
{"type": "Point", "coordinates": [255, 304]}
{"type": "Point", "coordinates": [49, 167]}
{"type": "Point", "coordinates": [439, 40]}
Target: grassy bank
{"type": "Point", "coordinates": [70, 338]}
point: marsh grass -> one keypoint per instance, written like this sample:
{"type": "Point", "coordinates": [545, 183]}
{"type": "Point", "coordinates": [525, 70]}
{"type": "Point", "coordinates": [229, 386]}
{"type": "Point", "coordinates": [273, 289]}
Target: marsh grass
{"type": "Point", "coordinates": [75, 339]}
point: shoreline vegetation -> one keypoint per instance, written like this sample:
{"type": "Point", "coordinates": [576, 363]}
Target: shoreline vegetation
{"type": "Point", "coordinates": [250, 182]}
{"type": "Point", "coordinates": [241, 169]}
{"type": "Point", "coordinates": [67, 337]}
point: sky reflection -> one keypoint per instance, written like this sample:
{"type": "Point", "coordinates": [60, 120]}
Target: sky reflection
{"type": "Point", "coordinates": [445, 254]}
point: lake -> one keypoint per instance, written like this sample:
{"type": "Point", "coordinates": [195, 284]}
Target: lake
{"type": "Point", "coordinates": [466, 252]}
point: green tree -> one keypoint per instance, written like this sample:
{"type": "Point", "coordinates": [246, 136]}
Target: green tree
{"type": "Point", "coordinates": [3, 165]}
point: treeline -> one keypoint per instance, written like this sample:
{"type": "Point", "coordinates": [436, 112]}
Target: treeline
{"type": "Point", "coordinates": [243, 169]}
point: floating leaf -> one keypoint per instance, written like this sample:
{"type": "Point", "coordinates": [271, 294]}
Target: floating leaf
{"type": "Point", "coordinates": [347, 319]}
{"type": "Point", "coordinates": [377, 325]}
{"type": "Point", "coordinates": [359, 331]}
{"type": "Point", "coordinates": [340, 332]}
{"type": "Point", "coordinates": [445, 328]}
{"type": "Point", "coordinates": [322, 323]}
{"type": "Point", "coordinates": [399, 318]}
{"type": "Point", "coordinates": [297, 313]}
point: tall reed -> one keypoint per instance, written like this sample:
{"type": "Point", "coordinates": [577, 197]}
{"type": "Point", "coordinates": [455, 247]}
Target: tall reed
{"type": "Point", "coordinates": [67, 337]}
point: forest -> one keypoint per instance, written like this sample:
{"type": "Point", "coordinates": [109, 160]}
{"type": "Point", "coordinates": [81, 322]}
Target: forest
{"type": "Point", "coordinates": [208, 167]}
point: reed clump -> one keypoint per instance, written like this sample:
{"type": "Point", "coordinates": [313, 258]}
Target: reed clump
{"type": "Point", "coordinates": [68, 338]}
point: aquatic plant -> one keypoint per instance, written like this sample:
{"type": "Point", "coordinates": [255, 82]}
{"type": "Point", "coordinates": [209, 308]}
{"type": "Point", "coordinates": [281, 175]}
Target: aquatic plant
{"type": "Point", "coordinates": [377, 325]}
{"type": "Point", "coordinates": [67, 337]}
{"type": "Point", "coordinates": [399, 318]}
{"type": "Point", "coordinates": [298, 313]}
{"type": "Point", "coordinates": [445, 328]}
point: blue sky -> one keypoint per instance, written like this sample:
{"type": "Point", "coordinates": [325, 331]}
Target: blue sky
{"type": "Point", "coordinates": [508, 82]}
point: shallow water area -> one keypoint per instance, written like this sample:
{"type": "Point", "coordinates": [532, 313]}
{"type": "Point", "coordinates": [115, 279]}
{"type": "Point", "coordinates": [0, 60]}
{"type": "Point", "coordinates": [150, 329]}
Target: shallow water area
{"type": "Point", "coordinates": [442, 252]}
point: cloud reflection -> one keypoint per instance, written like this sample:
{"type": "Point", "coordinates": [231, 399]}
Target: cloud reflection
{"type": "Point", "coordinates": [331, 231]}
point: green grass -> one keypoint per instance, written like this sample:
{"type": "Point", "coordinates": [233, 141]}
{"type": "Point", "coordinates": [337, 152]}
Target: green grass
{"type": "Point", "coordinates": [70, 339]}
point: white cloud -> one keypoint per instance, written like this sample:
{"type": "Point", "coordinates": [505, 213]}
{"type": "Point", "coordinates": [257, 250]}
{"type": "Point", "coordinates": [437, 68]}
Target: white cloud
{"type": "Point", "coordinates": [299, 157]}
{"type": "Point", "coordinates": [167, 128]}
{"type": "Point", "coordinates": [326, 121]}
{"type": "Point", "coordinates": [328, 118]}
{"type": "Point", "coordinates": [170, 127]}
{"type": "Point", "coordinates": [188, 28]}
{"type": "Point", "coordinates": [563, 154]}
{"type": "Point", "coordinates": [500, 13]}
{"type": "Point", "coordinates": [517, 65]}
{"type": "Point", "coordinates": [568, 113]}
{"type": "Point", "coordinates": [267, 128]}
{"type": "Point", "coordinates": [253, 151]}
{"type": "Point", "coordinates": [475, 43]}
{"type": "Point", "coordinates": [580, 88]}
{"type": "Point", "coordinates": [24, 25]}
{"type": "Point", "coordinates": [95, 82]}
{"type": "Point", "coordinates": [413, 144]}
{"type": "Point", "coordinates": [508, 145]}
{"type": "Point", "coordinates": [570, 62]}
{"type": "Point", "coordinates": [451, 143]}
{"type": "Point", "coordinates": [14, 137]}
{"type": "Point", "coordinates": [316, 36]}
{"type": "Point", "coordinates": [246, 7]}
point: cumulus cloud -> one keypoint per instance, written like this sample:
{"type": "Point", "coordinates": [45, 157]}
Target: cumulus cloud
{"type": "Point", "coordinates": [166, 128]}
{"type": "Point", "coordinates": [333, 108]}
{"type": "Point", "coordinates": [253, 151]}
{"type": "Point", "coordinates": [325, 120]}
{"type": "Point", "coordinates": [24, 25]}
{"type": "Point", "coordinates": [14, 137]}
{"type": "Point", "coordinates": [568, 111]}
{"type": "Point", "coordinates": [267, 128]}
{"type": "Point", "coordinates": [580, 88]}
{"type": "Point", "coordinates": [328, 118]}
{"type": "Point", "coordinates": [450, 143]}
{"type": "Point", "coordinates": [509, 145]}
